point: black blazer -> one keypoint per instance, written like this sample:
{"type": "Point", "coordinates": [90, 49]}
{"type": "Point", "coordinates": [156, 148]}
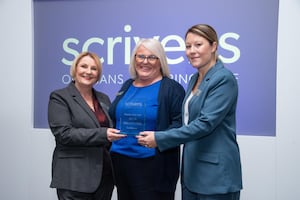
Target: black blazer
{"type": "Point", "coordinates": [170, 97]}
{"type": "Point", "coordinates": [80, 140]}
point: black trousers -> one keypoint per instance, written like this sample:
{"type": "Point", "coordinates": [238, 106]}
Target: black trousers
{"type": "Point", "coordinates": [136, 179]}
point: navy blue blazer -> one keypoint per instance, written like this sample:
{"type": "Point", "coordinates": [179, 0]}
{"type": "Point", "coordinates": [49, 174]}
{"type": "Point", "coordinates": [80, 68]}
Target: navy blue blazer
{"type": "Point", "coordinates": [211, 157]}
{"type": "Point", "coordinates": [80, 140]}
{"type": "Point", "coordinates": [170, 98]}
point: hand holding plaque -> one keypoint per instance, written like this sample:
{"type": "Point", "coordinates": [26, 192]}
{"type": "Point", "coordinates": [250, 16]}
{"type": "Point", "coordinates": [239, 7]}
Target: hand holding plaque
{"type": "Point", "coordinates": [133, 118]}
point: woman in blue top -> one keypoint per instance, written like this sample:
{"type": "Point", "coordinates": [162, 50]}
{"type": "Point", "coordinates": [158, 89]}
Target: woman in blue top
{"type": "Point", "coordinates": [149, 100]}
{"type": "Point", "coordinates": [211, 158]}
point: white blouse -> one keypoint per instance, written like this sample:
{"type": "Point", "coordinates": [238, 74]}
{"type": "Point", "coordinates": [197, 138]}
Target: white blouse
{"type": "Point", "coordinates": [186, 109]}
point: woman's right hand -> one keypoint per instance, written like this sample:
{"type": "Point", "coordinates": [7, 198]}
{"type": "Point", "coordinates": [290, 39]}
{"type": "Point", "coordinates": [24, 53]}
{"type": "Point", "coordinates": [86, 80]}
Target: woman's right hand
{"type": "Point", "coordinates": [114, 134]}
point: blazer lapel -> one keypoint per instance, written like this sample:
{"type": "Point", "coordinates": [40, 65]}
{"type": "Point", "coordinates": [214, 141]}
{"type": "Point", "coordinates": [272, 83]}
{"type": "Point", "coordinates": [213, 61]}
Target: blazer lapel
{"type": "Point", "coordinates": [104, 108]}
{"type": "Point", "coordinates": [78, 98]}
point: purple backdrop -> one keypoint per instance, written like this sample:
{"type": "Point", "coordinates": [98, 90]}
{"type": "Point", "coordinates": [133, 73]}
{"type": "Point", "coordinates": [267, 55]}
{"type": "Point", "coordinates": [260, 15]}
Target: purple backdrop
{"type": "Point", "coordinates": [248, 46]}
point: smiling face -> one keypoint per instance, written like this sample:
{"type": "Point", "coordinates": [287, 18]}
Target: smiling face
{"type": "Point", "coordinates": [149, 68]}
{"type": "Point", "coordinates": [199, 51]}
{"type": "Point", "coordinates": [86, 72]}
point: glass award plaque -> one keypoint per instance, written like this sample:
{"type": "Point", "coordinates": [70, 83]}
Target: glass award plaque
{"type": "Point", "coordinates": [133, 119]}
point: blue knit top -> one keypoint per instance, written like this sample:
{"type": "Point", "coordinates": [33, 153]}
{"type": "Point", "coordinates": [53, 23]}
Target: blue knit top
{"type": "Point", "coordinates": [140, 104]}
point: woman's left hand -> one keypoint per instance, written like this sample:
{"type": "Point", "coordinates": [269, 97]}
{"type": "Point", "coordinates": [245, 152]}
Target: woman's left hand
{"type": "Point", "coordinates": [147, 139]}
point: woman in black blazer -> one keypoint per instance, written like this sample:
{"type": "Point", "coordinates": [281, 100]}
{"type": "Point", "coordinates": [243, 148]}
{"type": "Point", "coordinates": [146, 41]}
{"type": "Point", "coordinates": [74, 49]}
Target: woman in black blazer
{"type": "Point", "coordinates": [78, 118]}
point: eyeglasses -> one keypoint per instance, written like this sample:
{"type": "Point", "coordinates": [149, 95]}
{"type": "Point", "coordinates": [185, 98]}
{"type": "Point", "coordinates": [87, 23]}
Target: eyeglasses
{"type": "Point", "coordinates": [141, 58]}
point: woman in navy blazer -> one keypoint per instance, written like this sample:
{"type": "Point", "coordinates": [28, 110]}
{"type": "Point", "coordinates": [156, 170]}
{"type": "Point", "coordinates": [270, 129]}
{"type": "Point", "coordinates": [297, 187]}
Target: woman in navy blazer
{"type": "Point", "coordinates": [211, 166]}
{"type": "Point", "coordinates": [78, 118]}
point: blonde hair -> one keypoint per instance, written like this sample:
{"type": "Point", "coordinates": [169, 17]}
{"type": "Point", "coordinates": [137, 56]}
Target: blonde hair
{"type": "Point", "coordinates": [157, 49]}
{"type": "Point", "coordinates": [94, 56]}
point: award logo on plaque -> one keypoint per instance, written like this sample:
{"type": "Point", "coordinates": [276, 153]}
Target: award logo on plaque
{"type": "Point", "coordinates": [133, 119]}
